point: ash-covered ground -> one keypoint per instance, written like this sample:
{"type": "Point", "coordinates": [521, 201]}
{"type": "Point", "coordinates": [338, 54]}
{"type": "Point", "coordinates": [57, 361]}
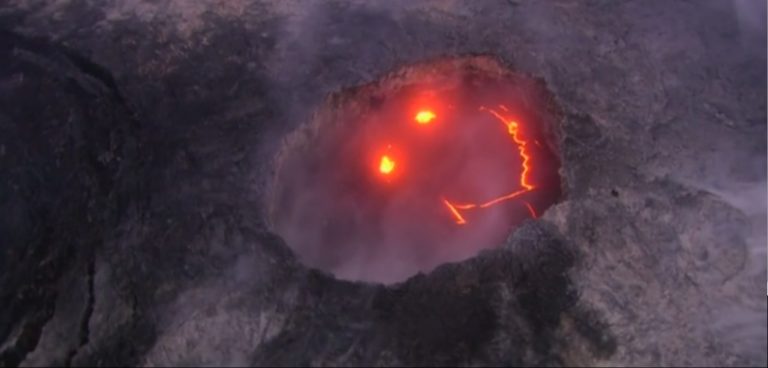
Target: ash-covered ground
{"type": "Point", "coordinates": [136, 142]}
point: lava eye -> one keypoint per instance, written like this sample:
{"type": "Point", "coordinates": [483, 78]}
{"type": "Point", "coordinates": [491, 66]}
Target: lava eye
{"type": "Point", "coordinates": [424, 117]}
{"type": "Point", "coordinates": [386, 165]}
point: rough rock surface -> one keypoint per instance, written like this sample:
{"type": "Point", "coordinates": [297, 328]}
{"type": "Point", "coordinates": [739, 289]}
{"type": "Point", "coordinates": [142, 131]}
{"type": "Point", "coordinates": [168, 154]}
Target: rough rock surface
{"type": "Point", "coordinates": [136, 137]}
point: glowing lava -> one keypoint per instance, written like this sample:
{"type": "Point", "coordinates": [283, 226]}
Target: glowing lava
{"type": "Point", "coordinates": [424, 117]}
{"type": "Point", "coordinates": [455, 211]}
{"type": "Point", "coordinates": [386, 165]}
{"type": "Point", "coordinates": [525, 184]}
{"type": "Point", "coordinates": [531, 210]}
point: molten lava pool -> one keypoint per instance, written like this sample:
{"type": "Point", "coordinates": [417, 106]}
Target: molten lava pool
{"type": "Point", "coordinates": [427, 165]}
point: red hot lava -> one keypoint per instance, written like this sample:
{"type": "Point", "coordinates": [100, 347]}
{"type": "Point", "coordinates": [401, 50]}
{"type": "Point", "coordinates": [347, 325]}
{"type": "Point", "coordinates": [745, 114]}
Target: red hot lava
{"type": "Point", "coordinates": [425, 116]}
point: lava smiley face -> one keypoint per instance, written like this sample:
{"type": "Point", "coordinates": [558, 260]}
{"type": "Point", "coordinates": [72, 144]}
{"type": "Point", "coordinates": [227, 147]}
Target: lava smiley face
{"type": "Point", "coordinates": [427, 165]}
{"type": "Point", "coordinates": [429, 154]}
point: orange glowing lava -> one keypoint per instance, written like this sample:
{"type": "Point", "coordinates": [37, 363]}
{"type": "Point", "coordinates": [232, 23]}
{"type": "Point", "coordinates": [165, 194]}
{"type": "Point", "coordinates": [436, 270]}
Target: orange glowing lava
{"type": "Point", "coordinates": [525, 181]}
{"type": "Point", "coordinates": [455, 211]}
{"type": "Point", "coordinates": [424, 117]}
{"type": "Point", "coordinates": [386, 165]}
{"type": "Point", "coordinates": [531, 210]}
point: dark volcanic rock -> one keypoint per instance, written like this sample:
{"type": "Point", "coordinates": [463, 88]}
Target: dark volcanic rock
{"type": "Point", "coordinates": [68, 153]}
{"type": "Point", "coordinates": [136, 139]}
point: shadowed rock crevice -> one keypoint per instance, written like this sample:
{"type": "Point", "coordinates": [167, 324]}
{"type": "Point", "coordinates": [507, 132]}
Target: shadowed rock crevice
{"type": "Point", "coordinates": [84, 332]}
